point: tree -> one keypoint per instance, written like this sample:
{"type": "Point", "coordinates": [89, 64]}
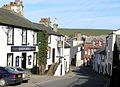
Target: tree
{"type": "Point", "coordinates": [42, 40]}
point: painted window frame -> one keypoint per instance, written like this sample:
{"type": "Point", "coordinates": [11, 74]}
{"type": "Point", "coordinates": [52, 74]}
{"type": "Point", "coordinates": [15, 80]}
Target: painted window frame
{"type": "Point", "coordinates": [8, 56]}
{"type": "Point", "coordinates": [24, 37]}
{"type": "Point", "coordinates": [17, 59]}
{"type": "Point", "coordinates": [34, 38]}
{"type": "Point", "coordinates": [29, 59]}
{"type": "Point", "coordinates": [34, 59]}
{"type": "Point", "coordinates": [10, 35]}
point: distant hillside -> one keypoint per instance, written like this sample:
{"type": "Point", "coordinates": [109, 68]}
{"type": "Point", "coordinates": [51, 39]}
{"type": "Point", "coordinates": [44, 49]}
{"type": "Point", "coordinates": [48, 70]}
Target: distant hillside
{"type": "Point", "coordinates": [88, 32]}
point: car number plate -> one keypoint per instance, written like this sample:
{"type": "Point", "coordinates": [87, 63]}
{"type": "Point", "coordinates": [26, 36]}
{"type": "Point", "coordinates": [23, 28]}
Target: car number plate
{"type": "Point", "coordinates": [19, 75]}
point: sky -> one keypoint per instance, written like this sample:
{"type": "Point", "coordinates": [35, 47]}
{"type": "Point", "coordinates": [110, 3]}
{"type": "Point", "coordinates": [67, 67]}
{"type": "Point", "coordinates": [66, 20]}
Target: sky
{"type": "Point", "coordinates": [90, 14]}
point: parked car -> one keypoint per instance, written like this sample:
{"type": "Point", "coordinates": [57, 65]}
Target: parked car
{"type": "Point", "coordinates": [10, 76]}
{"type": "Point", "coordinates": [2, 81]}
{"type": "Point", "coordinates": [26, 74]}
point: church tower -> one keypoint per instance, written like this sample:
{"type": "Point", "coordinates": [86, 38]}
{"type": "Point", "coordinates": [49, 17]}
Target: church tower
{"type": "Point", "coordinates": [55, 25]}
{"type": "Point", "coordinates": [16, 6]}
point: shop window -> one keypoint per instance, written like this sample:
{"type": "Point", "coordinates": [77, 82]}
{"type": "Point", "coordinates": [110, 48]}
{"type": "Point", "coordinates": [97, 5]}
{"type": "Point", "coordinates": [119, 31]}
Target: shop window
{"type": "Point", "coordinates": [29, 59]}
{"type": "Point", "coordinates": [24, 37]}
{"type": "Point", "coordinates": [10, 35]}
{"type": "Point", "coordinates": [9, 59]}
{"type": "Point", "coordinates": [17, 61]}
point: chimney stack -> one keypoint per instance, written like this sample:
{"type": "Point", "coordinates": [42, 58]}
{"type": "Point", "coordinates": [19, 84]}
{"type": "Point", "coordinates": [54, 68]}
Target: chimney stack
{"type": "Point", "coordinates": [45, 21]}
{"type": "Point", "coordinates": [55, 25]}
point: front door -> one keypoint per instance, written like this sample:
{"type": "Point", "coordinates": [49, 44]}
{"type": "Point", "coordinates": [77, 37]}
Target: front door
{"type": "Point", "coordinates": [24, 60]}
{"type": "Point", "coordinates": [53, 55]}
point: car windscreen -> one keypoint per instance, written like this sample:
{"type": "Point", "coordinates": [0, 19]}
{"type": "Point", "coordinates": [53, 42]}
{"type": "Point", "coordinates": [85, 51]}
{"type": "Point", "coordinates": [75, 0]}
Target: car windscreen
{"type": "Point", "coordinates": [10, 70]}
{"type": "Point", "coordinates": [20, 69]}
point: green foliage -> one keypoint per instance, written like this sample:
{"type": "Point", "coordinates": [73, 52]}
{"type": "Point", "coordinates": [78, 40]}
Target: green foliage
{"type": "Point", "coordinates": [42, 47]}
{"type": "Point", "coordinates": [88, 32]}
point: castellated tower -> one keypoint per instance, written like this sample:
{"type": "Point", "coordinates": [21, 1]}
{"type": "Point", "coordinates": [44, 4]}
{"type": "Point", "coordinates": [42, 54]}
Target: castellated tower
{"type": "Point", "coordinates": [16, 6]}
{"type": "Point", "coordinates": [55, 25]}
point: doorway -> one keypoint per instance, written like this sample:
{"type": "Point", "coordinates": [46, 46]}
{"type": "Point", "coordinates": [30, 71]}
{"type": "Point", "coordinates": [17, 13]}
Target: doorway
{"type": "Point", "coordinates": [24, 60]}
{"type": "Point", "coordinates": [53, 55]}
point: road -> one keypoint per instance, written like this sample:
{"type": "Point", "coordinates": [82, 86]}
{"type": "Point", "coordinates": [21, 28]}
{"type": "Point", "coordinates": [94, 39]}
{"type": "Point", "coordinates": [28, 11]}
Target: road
{"type": "Point", "coordinates": [83, 77]}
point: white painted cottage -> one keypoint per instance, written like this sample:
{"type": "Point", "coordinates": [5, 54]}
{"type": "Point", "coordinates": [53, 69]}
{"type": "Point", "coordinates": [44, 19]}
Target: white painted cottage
{"type": "Point", "coordinates": [18, 40]}
{"type": "Point", "coordinates": [55, 51]}
{"type": "Point", "coordinates": [67, 57]}
{"type": "Point", "coordinates": [76, 52]}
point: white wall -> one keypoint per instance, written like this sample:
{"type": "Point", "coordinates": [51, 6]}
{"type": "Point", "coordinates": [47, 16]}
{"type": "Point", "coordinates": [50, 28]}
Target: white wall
{"type": "Point", "coordinates": [52, 44]}
{"type": "Point", "coordinates": [61, 69]}
{"type": "Point", "coordinates": [79, 62]}
{"type": "Point", "coordinates": [17, 42]}
{"type": "Point", "coordinates": [3, 46]}
{"type": "Point", "coordinates": [67, 59]}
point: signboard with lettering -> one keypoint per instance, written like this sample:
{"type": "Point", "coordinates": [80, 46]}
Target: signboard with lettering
{"type": "Point", "coordinates": [22, 48]}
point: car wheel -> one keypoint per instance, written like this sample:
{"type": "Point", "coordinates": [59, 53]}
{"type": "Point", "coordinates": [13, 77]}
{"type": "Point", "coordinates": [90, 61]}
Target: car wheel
{"type": "Point", "coordinates": [2, 82]}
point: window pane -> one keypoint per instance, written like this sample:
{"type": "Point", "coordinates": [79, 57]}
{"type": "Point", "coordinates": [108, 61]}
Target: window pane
{"type": "Point", "coordinates": [34, 59]}
{"type": "Point", "coordinates": [17, 60]}
{"type": "Point", "coordinates": [9, 59]}
{"type": "Point", "coordinates": [10, 35]}
{"type": "Point", "coordinates": [24, 36]}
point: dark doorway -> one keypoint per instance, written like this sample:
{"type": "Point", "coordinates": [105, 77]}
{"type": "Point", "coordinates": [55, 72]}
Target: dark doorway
{"type": "Point", "coordinates": [61, 70]}
{"type": "Point", "coordinates": [24, 60]}
{"type": "Point", "coordinates": [53, 55]}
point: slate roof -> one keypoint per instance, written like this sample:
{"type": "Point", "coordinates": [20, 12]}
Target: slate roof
{"type": "Point", "coordinates": [10, 18]}
{"type": "Point", "coordinates": [48, 29]}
